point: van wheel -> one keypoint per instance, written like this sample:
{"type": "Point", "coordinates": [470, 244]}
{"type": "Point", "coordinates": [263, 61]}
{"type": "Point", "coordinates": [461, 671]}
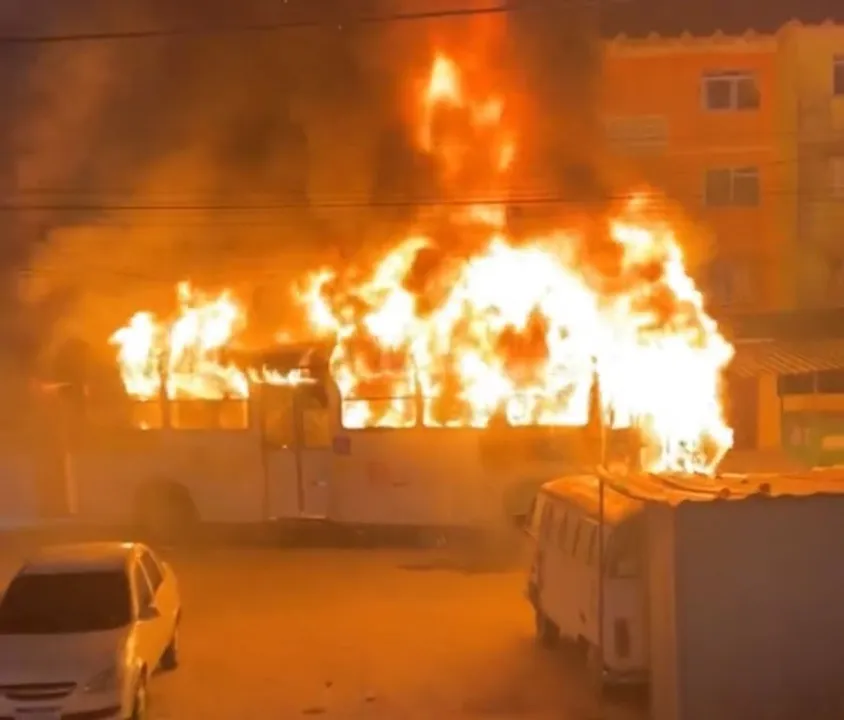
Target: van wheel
{"type": "Point", "coordinates": [595, 670]}
{"type": "Point", "coordinates": [547, 632]}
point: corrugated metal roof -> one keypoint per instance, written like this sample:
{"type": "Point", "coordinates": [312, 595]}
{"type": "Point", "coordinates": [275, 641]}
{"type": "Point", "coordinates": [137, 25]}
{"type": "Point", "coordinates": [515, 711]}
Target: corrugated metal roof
{"type": "Point", "coordinates": [625, 495]}
{"type": "Point", "coordinates": [816, 324]}
{"type": "Point", "coordinates": [582, 490]}
{"type": "Point", "coordinates": [703, 18]}
{"type": "Point", "coordinates": [786, 357]}
{"type": "Point", "coordinates": [673, 489]}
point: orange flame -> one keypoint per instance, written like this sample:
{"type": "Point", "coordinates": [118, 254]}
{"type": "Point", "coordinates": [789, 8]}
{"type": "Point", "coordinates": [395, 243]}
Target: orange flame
{"type": "Point", "coordinates": [186, 352]}
{"type": "Point", "coordinates": [522, 330]}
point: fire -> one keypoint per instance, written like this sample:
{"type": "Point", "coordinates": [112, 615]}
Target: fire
{"type": "Point", "coordinates": [489, 328]}
{"type": "Point", "coordinates": [186, 352]}
{"type": "Point", "coordinates": [462, 336]}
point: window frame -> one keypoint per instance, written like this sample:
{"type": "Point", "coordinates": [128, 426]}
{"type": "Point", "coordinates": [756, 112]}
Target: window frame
{"type": "Point", "coordinates": [562, 531]}
{"type": "Point", "coordinates": [636, 134]}
{"type": "Point", "coordinates": [575, 538]}
{"type": "Point", "coordinates": [838, 75]}
{"type": "Point", "coordinates": [836, 170]}
{"type": "Point", "coordinates": [591, 543]}
{"type": "Point", "coordinates": [742, 172]}
{"type": "Point", "coordinates": [546, 522]}
{"type": "Point", "coordinates": [734, 78]}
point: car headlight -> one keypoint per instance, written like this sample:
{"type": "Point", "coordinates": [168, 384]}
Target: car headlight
{"type": "Point", "coordinates": [104, 681]}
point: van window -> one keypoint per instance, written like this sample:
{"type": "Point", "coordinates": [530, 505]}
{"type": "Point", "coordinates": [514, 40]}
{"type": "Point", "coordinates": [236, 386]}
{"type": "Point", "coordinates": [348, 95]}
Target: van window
{"type": "Point", "coordinates": [625, 549]}
{"type": "Point", "coordinates": [561, 531]}
{"type": "Point", "coordinates": [590, 544]}
{"type": "Point", "coordinates": [547, 520]}
{"type": "Point", "coordinates": [535, 515]}
{"type": "Point", "coordinates": [576, 539]}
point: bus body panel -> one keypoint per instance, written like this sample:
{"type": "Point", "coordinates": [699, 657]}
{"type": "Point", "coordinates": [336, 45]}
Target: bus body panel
{"type": "Point", "coordinates": [221, 470]}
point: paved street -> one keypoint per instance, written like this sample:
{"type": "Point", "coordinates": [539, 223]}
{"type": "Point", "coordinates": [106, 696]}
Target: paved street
{"type": "Point", "coordinates": [275, 633]}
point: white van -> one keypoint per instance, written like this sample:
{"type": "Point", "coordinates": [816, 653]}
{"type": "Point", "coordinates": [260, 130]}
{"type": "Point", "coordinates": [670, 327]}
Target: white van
{"type": "Point", "coordinates": [563, 585]}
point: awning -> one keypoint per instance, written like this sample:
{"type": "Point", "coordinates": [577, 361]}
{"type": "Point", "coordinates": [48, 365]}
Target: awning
{"type": "Point", "coordinates": [758, 357]}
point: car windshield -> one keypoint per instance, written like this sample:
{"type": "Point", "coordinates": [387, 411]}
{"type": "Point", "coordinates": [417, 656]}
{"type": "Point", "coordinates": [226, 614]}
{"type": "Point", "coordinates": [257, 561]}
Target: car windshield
{"type": "Point", "coordinates": [80, 602]}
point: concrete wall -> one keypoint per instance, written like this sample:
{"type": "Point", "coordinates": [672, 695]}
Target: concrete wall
{"type": "Point", "coordinates": [808, 53]}
{"type": "Point", "coordinates": [759, 601]}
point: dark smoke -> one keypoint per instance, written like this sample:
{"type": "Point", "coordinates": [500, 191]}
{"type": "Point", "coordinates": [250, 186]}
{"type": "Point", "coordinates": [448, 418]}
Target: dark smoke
{"type": "Point", "coordinates": [303, 119]}
{"type": "Point", "coordinates": [298, 119]}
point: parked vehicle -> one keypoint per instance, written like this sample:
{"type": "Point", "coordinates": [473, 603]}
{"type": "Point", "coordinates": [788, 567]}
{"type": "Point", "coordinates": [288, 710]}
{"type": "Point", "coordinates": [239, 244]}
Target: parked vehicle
{"type": "Point", "coordinates": [567, 576]}
{"type": "Point", "coordinates": [82, 628]}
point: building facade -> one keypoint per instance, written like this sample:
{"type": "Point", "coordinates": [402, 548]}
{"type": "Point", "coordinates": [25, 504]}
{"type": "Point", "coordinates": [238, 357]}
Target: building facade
{"type": "Point", "coordinates": [812, 79]}
{"type": "Point", "coordinates": [701, 118]}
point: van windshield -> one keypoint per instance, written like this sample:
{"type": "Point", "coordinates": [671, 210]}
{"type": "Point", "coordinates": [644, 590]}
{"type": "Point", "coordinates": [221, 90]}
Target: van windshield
{"type": "Point", "coordinates": [77, 602]}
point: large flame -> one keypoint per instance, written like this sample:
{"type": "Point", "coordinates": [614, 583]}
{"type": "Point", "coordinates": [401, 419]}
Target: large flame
{"type": "Point", "coordinates": [186, 352]}
{"type": "Point", "coordinates": [483, 327]}
{"type": "Point", "coordinates": [522, 329]}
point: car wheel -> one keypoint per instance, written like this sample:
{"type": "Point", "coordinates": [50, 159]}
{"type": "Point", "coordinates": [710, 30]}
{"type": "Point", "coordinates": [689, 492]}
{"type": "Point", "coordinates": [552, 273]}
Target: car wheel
{"type": "Point", "coordinates": [170, 658]}
{"type": "Point", "coordinates": [139, 704]}
{"type": "Point", "coordinates": [547, 632]}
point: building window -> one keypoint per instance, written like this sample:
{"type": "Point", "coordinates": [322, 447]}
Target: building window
{"type": "Point", "coordinates": [729, 282]}
{"type": "Point", "coordinates": [731, 187]}
{"type": "Point", "coordinates": [636, 133]}
{"type": "Point", "coordinates": [730, 91]}
{"type": "Point", "coordinates": [838, 75]}
{"type": "Point", "coordinates": [836, 176]}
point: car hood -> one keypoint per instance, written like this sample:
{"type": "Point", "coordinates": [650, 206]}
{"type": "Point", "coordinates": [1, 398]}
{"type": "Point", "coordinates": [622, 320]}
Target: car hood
{"type": "Point", "coordinates": [58, 658]}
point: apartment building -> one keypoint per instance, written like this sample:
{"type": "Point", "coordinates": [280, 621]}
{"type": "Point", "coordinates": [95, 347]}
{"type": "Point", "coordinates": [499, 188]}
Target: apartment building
{"type": "Point", "coordinates": [812, 78]}
{"type": "Point", "coordinates": [699, 117]}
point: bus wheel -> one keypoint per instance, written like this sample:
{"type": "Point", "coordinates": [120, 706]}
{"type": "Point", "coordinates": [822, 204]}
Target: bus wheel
{"type": "Point", "coordinates": [166, 512]}
{"type": "Point", "coordinates": [547, 632]}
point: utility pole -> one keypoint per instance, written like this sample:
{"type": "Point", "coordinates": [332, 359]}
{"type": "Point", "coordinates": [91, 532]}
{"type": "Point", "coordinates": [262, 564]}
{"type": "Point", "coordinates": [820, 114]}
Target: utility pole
{"type": "Point", "coordinates": [602, 462]}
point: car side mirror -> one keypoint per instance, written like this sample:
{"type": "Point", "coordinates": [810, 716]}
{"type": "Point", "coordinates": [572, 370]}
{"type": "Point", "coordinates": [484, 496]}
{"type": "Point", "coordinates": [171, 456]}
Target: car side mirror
{"type": "Point", "coordinates": [149, 613]}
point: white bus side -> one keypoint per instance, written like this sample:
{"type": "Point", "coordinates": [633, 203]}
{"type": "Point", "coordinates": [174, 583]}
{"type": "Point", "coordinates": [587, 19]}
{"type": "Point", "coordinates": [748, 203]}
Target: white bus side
{"type": "Point", "coordinates": [565, 576]}
{"type": "Point", "coordinates": [167, 464]}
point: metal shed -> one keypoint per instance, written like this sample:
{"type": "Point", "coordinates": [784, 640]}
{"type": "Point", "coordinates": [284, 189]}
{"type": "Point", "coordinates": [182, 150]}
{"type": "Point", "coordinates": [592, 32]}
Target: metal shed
{"type": "Point", "coordinates": [745, 596]}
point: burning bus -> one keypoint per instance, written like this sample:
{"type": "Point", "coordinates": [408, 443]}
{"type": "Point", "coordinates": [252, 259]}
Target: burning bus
{"type": "Point", "coordinates": [449, 379]}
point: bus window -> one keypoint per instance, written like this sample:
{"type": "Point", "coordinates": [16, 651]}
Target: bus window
{"type": "Point", "coordinates": [229, 414]}
{"type": "Point", "coordinates": [561, 531]}
{"type": "Point", "coordinates": [575, 539]}
{"type": "Point", "coordinates": [277, 419]}
{"type": "Point", "coordinates": [383, 412]}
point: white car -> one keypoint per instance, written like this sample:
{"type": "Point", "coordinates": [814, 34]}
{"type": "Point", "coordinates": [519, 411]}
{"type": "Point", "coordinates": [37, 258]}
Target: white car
{"type": "Point", "coordinates": [82, 628]}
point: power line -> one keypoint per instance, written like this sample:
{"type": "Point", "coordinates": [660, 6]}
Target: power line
{"type": "Point", "coordinates": [555, 200]}
{"type": "Point", "coordinates": [338, 22]}
{"type": "Point", "coordinates": [70, 199]}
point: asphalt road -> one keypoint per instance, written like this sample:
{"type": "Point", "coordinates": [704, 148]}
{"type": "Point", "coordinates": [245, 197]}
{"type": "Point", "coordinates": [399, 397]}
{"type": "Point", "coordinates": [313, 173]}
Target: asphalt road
{"type": "Point", "coordinates": [358, 634]}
